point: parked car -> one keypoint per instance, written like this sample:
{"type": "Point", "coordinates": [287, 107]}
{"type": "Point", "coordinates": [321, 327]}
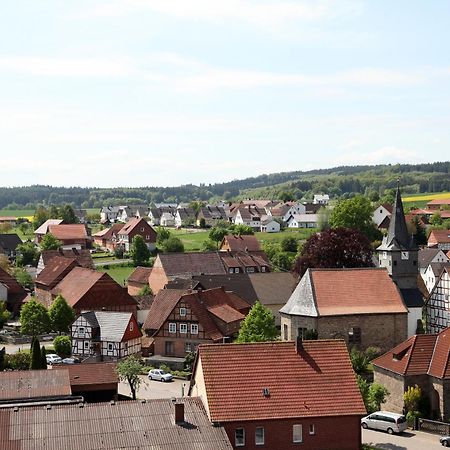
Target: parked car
{"type": "Point", "coordinates": [385, 421]}
{"type": "Point", "coordinates": [53, 358]}
{"type": "Point", "coordinates": [159, 375]}
{"type": "Point", "coordinates": [445, 441]}
{"type": "Point", "coordinates": [70, 361]}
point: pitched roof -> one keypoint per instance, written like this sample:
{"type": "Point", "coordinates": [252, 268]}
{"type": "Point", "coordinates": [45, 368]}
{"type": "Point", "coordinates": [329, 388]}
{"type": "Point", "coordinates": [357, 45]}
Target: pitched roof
{"type": "Point", "coordinates": [14, 288]}
{"type": "Point", "coordinates": [94, 288]}
{"type": "Point", "coordinates": [413, 297]}
{"type": "Point", "coordinates": [83, 256]}
{"type": "Point", "coordinates": [213, 212]}
{"type": "Point", "coordinates": [90, 374]}
{"type": "Point", "coordinates": [273, 288]}
{"type": "Point", "coordinates": [43, 229]}
{"type": "Point", "coordinates": [140, 275]}
{"type": "Point", "coordinates": [132, 224]}
{"type": "Point", "coordinates": [329, 292]}
{"type": "Point", "coordinates": [442, 201]}
{"type": "Point", "coordinates": [10, 241]}
{"type": "Point", "coordinates": [244, 243]}
{"type": "Point", "coordinates": [439, 237]}
{"type": "Point", "coordinates": [69, 231]}
{"type": "Point", "coordinates": [121, 425]}
{"type": "Point", "coordinates": [27, 384]}
{"type": "Point", "coordinates": [439, 366]}
{"type": "Point", "coordinates": [112, 324]}
{"type": "Point", "coordinates": [163, 304]}
{"type": "Point", "coordinates": [191, 263]}
{"type": "Point", "coordinates": [55, 270]}
{"type": "Point", "coordinates": [316, 382]}
{"type": "Point", "coordinates": [108, 233]}
{"type": "Point", "coordinates": [426, 255]}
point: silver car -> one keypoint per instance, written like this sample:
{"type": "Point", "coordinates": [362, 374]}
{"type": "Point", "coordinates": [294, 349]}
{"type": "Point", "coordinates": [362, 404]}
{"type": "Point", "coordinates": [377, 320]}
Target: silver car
{"type": "Point", "coordinates": [53, 358]}
{"type": "Point", "coordinates": [159, 375]}
{"type": "Point", "coordinates": [385, 421]}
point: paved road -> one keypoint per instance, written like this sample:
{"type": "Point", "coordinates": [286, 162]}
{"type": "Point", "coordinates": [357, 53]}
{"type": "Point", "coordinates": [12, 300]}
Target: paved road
{"type": "Point", "coordinates": [156, 389]}
{"type": "Point", "coordinates": [10, 348]}
{"type": "Point", "coordinates": [409, 440]}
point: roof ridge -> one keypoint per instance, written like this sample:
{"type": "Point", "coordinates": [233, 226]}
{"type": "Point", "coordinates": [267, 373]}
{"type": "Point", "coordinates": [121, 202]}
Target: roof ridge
{"type": "Point", "coordinates": [411, 352]}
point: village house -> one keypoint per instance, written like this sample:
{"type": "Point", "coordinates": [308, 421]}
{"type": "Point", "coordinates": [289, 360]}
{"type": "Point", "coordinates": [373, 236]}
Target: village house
{"type": "Point", "coordinates": [74, 235]}
{"type": "Point", "coordinates": [10, 220]}
{"type": "Point", "coordinates": [185, 217]}
{"type": "Point", "coordinates": [138, 280]}
{"type": "Point", "coordinates": [83, 257]}
{"type": "Point", "coordinates": [178, 321]}
{"type": "Point", "coordinates": [302, 221]}
{"type": "Point", "coordinates": [243, 243]}
{"type": "Point", "coordinates": [156, 213]}
{"type": "Point", "coordinates": [361, 306]}
{"type": "Point", "coordinates": [89, 290]}
{"type": "Point", "coordinates": [433, 273]}
{"type": "Point", "coordinates": [439, 204]}
{"type": "Point", "coordinates": [109, 214]}
{"type": "Point", "coordinates": [381, 215]}
{"type": "Point", "coordinates": [267, 394]}
{"type": "Point", "coordinates": [439, 239]}
{"type": "Point", "coordinates": [437, 306]}
{"type": "Point", "coordinates": [11, 292]}
{"type": "Point", "coordinates": [129, 212]}
{"type": "Point", "coordinates": [8, 245]}
{"type": "Point", "coordinates": [269, 225]}
{"type": "Point", "coordinates": [421, 360]}
{"type": "Point", "coordinates": [250, 216]}
{"type": "Point", "coordinates": [105, 335]}
{"type": "Point", "coordinates": [107, 238]}
{"type": "Point", "coordinates": [428, 256]}
{"type": "Point", "coordinates": [321, 199]}
{"type": "Point", "coordinates": [211, 215]}
{"type": "Point", "coordinates": [135, 227]}
{"type": "Point", "coordinates": [41, 231]}
{"type": "Point", "coordinates": [167, 219]}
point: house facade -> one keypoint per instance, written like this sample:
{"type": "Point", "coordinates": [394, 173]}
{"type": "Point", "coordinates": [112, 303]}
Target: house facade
{"type": "Point", "coordinates": [108, 238]}
{"type": "Point", "coordinates": [11, 292]}
{"type": "Point", "coordinates": [105, 335]}
{"type": "Point", "coordinates": [437, 307]}
{"type": "Point", "coordinates": [211, 215]}
{"type": "Point", "coordinates": [133, 228]}
{"type": "Point", "coordinates": [72, 235]}
{"type": "Point", "coordinates": [185, 217]}
{"type": "Point", "coordinates": [8, 245]}
{"type": "Point", "coordinates": [439, 239]}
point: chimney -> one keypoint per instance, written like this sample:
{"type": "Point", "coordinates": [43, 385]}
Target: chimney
{"type": "Point", "coordinates": [179, 413]}
{"type": "Point", "coordinates": [299, 344]}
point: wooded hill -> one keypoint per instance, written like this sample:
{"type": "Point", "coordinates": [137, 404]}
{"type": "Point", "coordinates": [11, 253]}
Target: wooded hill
{"type": "Point", "coordinates": [338, 182]}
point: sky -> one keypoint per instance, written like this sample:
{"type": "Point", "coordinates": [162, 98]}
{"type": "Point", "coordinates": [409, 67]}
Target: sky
{"type": "Point", "coordinates": [171, 92]}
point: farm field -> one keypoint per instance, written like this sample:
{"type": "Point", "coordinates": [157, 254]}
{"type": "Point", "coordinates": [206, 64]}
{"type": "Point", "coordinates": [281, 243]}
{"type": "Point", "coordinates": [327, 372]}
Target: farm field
{"type": "Point", "coordinates": [29, 213]}
{"type": "Point", "coordinates": [421, 200]}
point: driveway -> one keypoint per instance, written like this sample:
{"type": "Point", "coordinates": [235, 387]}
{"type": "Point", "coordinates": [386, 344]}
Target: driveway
{"type": "Point", "coordinates": [156, 389]}
{"type": "Point", "coordinates": [15, 348]}
{"type": "Point", "coordinates": [409, 440]}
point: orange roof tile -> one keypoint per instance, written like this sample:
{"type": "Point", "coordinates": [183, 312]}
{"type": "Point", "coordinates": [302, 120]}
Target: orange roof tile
{"type": "Point", "coordinates": [140, 275]}
{"type": "Point", "coordinates": [317, 381]}
{"type": "Point", "coordinates": [245, 243]}
{"type": "Point", "coordinates": [69, 231]}
{"type": "Point", "coordinates": [55, 270]}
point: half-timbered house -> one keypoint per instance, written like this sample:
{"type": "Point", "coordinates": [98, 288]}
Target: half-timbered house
{"type": "Point", "coordinates": [105, 335]}
{"type": "Point", "coordinates": [438, 304]}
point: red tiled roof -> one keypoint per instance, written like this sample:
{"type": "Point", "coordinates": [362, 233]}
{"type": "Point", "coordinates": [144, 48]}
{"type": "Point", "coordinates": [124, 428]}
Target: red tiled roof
{"type": "Point", "coordinates": [107, 233]}
{"type": "Point", "coordinates": [208, 263]}
{"type": "Point", "coordinates": [55, 270]}
{"type": "Point", "coordinates": [43, 229]}
{"type": "Point", "coordinates": [226, 313]}
{"type": "Point", "coordinates": [11, 283]}
{"type": "Point", "coordinates": [163, 303]}
{"type": "Point", "coordinates": [316, 382]}
{"type": "Point", "coordinates": [92, 373]}
{"type": "Point", "coordinates": [132, 224]}
{"type": "Point", "coordinates": [355, 291]}
{"type": "Point", "coordinates": [69, 231]}
{"type": "Point", "coordinates": [83, 256]}
{"type": "Point", "coordinates": [439, 366]}
{"type": "Point", "coordinates": [443, 201]}
{"type": "Point", "coordinates": [245, 243]}
{"type": "Point", "coordinates": [411, 357]}
{"type": "Point", "coordinates": [140, 275]}
{"type": "Point", "coordinates": [439, 237]}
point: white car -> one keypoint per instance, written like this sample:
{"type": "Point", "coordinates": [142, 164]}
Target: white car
{"type": "Point", "coordinates": [53, 358]}
{"type": "Point", "coordinates": [385, 421]}
{"type": "Point", "coordinates": [159, 375]}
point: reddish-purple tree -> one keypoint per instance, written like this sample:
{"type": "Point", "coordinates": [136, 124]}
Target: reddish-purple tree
{"type": "Point", "coordinates": [335, 248]}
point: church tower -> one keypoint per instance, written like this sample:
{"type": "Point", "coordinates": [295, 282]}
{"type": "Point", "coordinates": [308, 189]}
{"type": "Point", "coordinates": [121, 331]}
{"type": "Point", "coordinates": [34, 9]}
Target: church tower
{"type": "Point", "coordinates": [398, 252]}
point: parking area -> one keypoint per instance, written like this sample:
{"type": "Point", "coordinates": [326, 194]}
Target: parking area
{"type": "Point", "coordinates": [156, 389]}
{"type": "Point", "coordinates": [409, 440]}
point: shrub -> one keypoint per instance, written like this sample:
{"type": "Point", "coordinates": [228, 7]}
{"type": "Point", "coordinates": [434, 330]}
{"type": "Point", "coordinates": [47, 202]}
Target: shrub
{"type": "Point", "coordinates": [63, 346]}
{"type": "Point", "coordinates": [18, 361]}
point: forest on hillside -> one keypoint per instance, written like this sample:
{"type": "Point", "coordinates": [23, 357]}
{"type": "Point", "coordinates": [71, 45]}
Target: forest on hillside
{"type": "Point", "coordinates": [338, 182]}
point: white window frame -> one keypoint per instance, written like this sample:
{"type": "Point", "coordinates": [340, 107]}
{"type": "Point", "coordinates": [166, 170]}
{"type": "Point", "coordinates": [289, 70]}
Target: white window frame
{"type": "Point", "coordinates": [86, 345]}
{"type": "Point", "coordinates": [183, 312]}
{"type": "Point", "coordinates": [297, 433]}
{"type": "Point", "coordinates": [188, 347]}
{"type": "Point", "coordinates": [110, 347]}
{"type": "Point", "coordinates": [312, 429]}
{"type": "Point", "coordinates": [183, 328]}
{"type": "Point", "coordinates": [81, 330]}
{"type": "Point", "coordinates": [172, 327]}
{"type": "Point", "coordinates": [131, 326]}
{"type": "Point", "coordinates": [259, 439]}
{"type": "Point", "coordinates": [194, 328]}
{"type": "Point", "coordinates": [240, 443]}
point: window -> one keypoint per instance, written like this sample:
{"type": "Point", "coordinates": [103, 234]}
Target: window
{"type": "Point", "coordinates": [131, 326]}
{"type": "Point", "coordinates": [354, 335]}
{"type": "Point", "coordinates": [86, 345]}
{"type": "Point", "coordinates": [250, 269]}
{"type": "Point", "coordinates": [183, 328]}
{"type": "Point", "coordinates": [301, 332]}
{"type": "Point", "coordinates": [169, 348]}
{"type": "Point", "coordinates": [312, 429]}
{"type": "Point", "coordinates": [297, 435]}
{"type": "Point", "coordinates": [142, 229]}
{"type": "Point", "coordinates": [110, 347]}
{"type": "Point", "coordinates": [194, 328]}
{"type": "Point", "coordinates": [188, 347]}
{"type": "Point", "coordinates": [259, 436]}
{"type": "Point", "coordinates": [231, 270]}
{"type": "Point", "coordinates": [285, 332]}
{"type": "Point", "coordinates": [239, 437]}
{"type": "Point", "coordinates": [147, 237]}
{"type": "Point", "coordinates": [182, 312]}
{"type": "Point", "coordinates": [81, 330]}
{"type": "Point", "coordinates": [172, 327]}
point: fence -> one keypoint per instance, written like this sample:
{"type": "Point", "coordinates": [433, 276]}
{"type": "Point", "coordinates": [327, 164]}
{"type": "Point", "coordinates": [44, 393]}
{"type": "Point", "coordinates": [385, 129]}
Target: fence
{"type": "Point", "coordinates": [433, 426]}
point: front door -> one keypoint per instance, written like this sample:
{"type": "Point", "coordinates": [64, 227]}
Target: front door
{"type": "Point", "coordinates": [169, 348]}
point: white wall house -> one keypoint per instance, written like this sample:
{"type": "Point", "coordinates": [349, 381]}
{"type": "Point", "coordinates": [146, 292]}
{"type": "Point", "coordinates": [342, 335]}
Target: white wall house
{"type": "Point", "coordinates": [438, 304]}
{"type": "Point", "coordinates": [381, 213]}
{"type": "Point", "coordinates": [270, 225]}
{"type": "Point", "coordinates": [302, 221]}
{"type": "Point", "coordinates": [298, 208]}
{"type": "Point", "coordinates": [321, 199]}
{"type": "Point", "coordinates": [167, 219]}
{"type": "Point", "coordinates": [245, 217]}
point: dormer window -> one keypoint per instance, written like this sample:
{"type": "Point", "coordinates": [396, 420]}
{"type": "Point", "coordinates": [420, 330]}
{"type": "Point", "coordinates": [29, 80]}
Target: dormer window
{"type": "Point", "coordinates": [182, 312]}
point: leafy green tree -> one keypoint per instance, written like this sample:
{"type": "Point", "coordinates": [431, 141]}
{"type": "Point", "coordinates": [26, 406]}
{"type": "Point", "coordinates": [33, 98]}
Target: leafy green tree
{"type": "Point", "coordinates": [361, 359]}
{"type": "Point", "coordinates": [419, 232]}
{"type": "Point", "coordinates": [289, 244]}
{"type": "Point", "coordinates": [140, 253]}
{"type": "Point", "coordinates": [258, 326]}
{"type": "Point", "coordinates": [40, 216]}
{"type": "Point", "coordinates": [241, 229]}
{"type": "Point", "coordinates": [162, 234]}
{"type": "Point", "coordinates": [4, 263]}
{"type": "Point", "coordinates": [28, 253]}
{"type": "Point", "coordinates": [128, 370]}
{"type": "Point", "coordinates": [420, 328]}
{"type": "Point", "coordinates": [173, 245]}
{"type": "Point", "coordinates": [286, 196]}
{"type": "Point", "coordinates": [67, 214]}
{"type": "Point", "coordinates": [209, 246]}
{"type": "Point", "coordinates": [49, 242]}
{"type": "Point", "coordinates": [119, 251]}
{"type": "Point", "coordinates": [216, 234]}
{"type": "Point", "coordinates": [61, 315]}
{"type": "Point", "coordinates": [412, 397]}
{"type": "Point", "coordinates": [283, 261]}
{"type": "Point", "coordinates": [35, 363]}
{"type": "Point", "coordinates": [63, 346]}
{"type": "Point", "coordinates": [202, 222]}
{"type": "Point", "coordinates": [43, 358]}
{"type": "Point", "coordinates": [4, 314]}
{"type": "Point", "coordinates": [355, 213]}
{"type": "Point", "coordinates": [323, 218]}
{"type": "Point", "coordinates": [146, 290]}
{"type": "Point", "coordinates": [18, 361]}
{"type": "Point", "coordinates": [53, 212]}
{"type": "Point", "coordinates": [436, 218]}
{"type": "Point", "coordinates": [34, 318]}
{"type": "Point", "coordinates": [377, 395]}
{"type": "Point", "coordinates": [23, 277]}
{"type": "Point", "coordinates": [363, 386]}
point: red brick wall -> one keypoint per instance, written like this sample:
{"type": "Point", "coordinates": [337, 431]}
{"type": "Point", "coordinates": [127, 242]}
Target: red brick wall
{"type": "Point", "coordinates": [331, 433]}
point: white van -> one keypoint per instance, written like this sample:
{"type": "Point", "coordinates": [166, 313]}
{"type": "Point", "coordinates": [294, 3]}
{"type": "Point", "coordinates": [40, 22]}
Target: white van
{"type": "Point", "coordinates": [385, 421]}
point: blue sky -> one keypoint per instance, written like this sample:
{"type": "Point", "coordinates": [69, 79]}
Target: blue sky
{"type": "Point", "coordinates": [170, 92]}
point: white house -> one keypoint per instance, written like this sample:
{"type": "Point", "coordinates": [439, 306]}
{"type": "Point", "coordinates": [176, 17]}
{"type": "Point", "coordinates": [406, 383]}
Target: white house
{"type": "Point", "coordinates": [250, 216]}
{"type": "Point", "coordinates": [380, 214]}
{"type": "Point", "coordinates": [297, 208]}
{"type": "Point", "coordinates": [432, 273]}
{"type": "Point", "coordinates": [167, 219]}
{"type": "Point", "coordinates": [269, 225]}
{"type": "Point", "coordinates": [321, 199]}
{"type": "Point", "coordinates": [438, 304]}
{"type": "Point", "coordinates": [105, 335]}
{"type": "Point", "coordinates": [302, 221]}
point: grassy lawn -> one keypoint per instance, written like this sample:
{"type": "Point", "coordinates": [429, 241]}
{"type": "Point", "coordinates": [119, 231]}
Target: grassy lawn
{"type": "Point", "coordinates": [192, 240]}
{"type": "Point", "coordinates": [119, 274]}
{"type": "Point", "coordinates": [17, 213]}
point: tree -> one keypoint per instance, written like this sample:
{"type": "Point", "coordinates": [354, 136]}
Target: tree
{"type": "Point", "coordinates": [49, 242]}
{"type": "Point", "coordinates": [216, 234]}
{"type": "Point", "coordinates": [361, 359]}
{"type": "Point", "coordinates": [420, 235]}
{"type": "Point", "coordinates": [283, 261]}
{"type": "Point", "coordinates": [363, 386]}
{"type": "Point", "coordinates": [18, 361]}
{"type": "Point", "coordinates": [61, 315]}
{"type": "Point", "coordinates": [146, 290]}
{"type": "Point", "coordinates": [377, 395]}
{"type": "Point", "coordinates": [258, 326]}
{"type": "Point", "coordinates": [34, 318]}
{"type": "Point", "coordinates": [241, 229]}
{"type": "Point", "coordinates": [173, 245]}
{"type": "Point", "coordinates": [436, 219]}
{"type": "Point", "coordinates": [335, 248]}
{"type": "Point", "coordinates": [28, 253]}
{"type": "Point", "coordinates": [4, 314]}
{"type": "Point", "coordinates": [4, 263]}
{"type": "Point", "coordinates": [355, 213]}
{"type": "Point", "coordinates": [43, 358]}
{"type": "Point", "coordinates": [129, 370]}
{"type": "Point", "coordinates": [119, 251]}
{"type": "Point", "coordinates": [202, 222]}
{"type": "Point", "coordinates": [35, 363]}
{"type": "Point", "coordinates": [162, 234]}
{"type": "Point", "coordinates": [140, 253]}
{"type": "Point", "coordinates": [2, 359]}
{"type": "Point", "coordinates": [63, 346]}
{"type": "Point", "coordinates": [40, 216]}
{"type": "Point", "coordinates": [23, 278]}
{"type": "Point", "coordinates": [209, 246]}
{"type": "Point", "coordinates": [323, 218]}
{"type": "Point", "coordinates": [412, 398]}
{"type": "Point", "coordinates": [286, 196]}
{"type": "Point", "coordinates": [289, 244]}
{"type": "Point", "coordinates": [67, 214]}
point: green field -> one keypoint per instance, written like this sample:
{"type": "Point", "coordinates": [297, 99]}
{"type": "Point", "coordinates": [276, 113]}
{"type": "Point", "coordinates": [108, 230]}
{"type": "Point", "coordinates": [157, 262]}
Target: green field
{"type": "Point", "coordinates": [421, 200]}
{"type": "Point", "coordinates": [119, 274]}
{"type": "Point", "coordinates": [17, 213]}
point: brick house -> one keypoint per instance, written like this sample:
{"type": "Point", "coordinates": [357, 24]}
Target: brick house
{"type": "Point", "coordinates": [108, 238]}
{"type": "Point", "coordinates": [11, 292]}
{"type": "Point", "coordinates": [361, 306]}
{"type": "Point", "coordinates": [437, 306]}
{"type": "Point", "coordinates": [89, 290]}
{"type": "Point", "coordinates": [138, 280]}
{"type": "Point", "coordinates": [178, 321]}
{"type": "Point", "coordinates": [136, 227]}
{"type": "Point", "coordinates": [438, 204]}
{"type": "Point", "coordinates": [41, 231]}
{"type": "Point", "coordinates": [423, 360]}
{"type": "Point", "coordinates": [83, 257]}
{"type": "Point", "coordinates": [439, 239]}
{"type": "Point", "coordinates": [72, 235]}
{"type": "Point", "coordinates": [310, 399]}
{"type": "Point", "coordinates": [105, 335]}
